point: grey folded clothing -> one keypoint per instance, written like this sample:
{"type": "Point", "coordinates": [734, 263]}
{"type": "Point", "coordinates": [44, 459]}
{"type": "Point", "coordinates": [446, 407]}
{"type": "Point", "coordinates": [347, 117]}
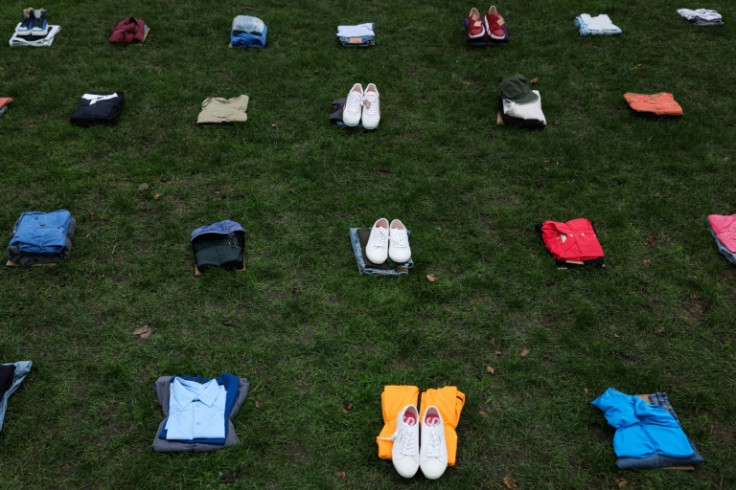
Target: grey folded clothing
{"type": "Point", "coordinates": [359, 239]}
{"type": "Point", "coordinates": [163, 392]}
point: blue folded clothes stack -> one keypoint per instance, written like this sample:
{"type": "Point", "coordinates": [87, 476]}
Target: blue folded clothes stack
{"type": "Point", "coordinates": [359, 239]}
{"type": "Point", "coordinates": [248, 32]}
{"type": "Point", "coordinates": [41, 238]}
{"type": "Point", "coordinates": [648, 433]}
{"type": "Point", "coordinates": [360, 35]}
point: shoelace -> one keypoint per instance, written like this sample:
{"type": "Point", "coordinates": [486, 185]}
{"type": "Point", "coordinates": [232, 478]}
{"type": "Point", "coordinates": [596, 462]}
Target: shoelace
{"type": "Point", "coordinates": [434, 443]}
{"type": "Point", "coordinates": [370, 102]}
{"type": "Point", "coordinates": [407, 443]}
{"type": "Point", "coordinates": [400, 241]}
{"type": "Point", "coordinates": [381, 237]}
{"type": "Point", "coordinates": [355, 100]}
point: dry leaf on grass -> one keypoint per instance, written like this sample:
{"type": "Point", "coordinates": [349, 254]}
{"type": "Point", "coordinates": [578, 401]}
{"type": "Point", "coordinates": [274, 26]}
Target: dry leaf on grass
{"type": "Point", "coordinates": [490, 370]}
{"type": "Point", "coordinates": [482, 413]}
{"type": "Point", "coordinates": [341, 475]}
{"type": "Point", "coordinates": [93, 216]}
{"type": "Point", "coordinates": [622, 482]}
{"type": "Point", "coordinates": [511, 484]}
{"type": "Point", "coordinates": [347, 406]}
{"type": "Point", "coordinates": [259, 403]}
{"type": "Point", "coordinates": [585, 390]}
{"type": "Point", "coordinates": [534, 80]}
{"type": "Point", "coordinates": [143, 187]}
{"type": "Point", "coordinates": [156, 196]}
{"type": "Point", "coordinates": [143, 332]}
{"type": "Point", "coordinates": [431, 278]}
{"type": "Point", "coordinates": [525, 353]}
{"type": "Point", "coordinates": [499, 353]}
{"type": "Point", "coordinates": [646, 262]}
{"type": "Point", "coordinates": [659, 330]}
{"type": "Point", "coordinates": [649, 242]}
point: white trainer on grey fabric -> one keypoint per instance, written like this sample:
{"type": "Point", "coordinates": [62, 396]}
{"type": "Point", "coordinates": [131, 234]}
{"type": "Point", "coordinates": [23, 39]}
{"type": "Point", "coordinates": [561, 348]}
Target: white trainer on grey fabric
{"type": "Point", "coordinates": [376, 250]}
{"type": "Point", "coordinates": [433, 453]}
{"type": "Point", "coordinates": [398, 247]}
{"type": "Point", "coordinates": [353, 109]}
{"type": "Point", "coordinates": [371, 107]}
{"type": "Point", "coordinates": [405, 452]}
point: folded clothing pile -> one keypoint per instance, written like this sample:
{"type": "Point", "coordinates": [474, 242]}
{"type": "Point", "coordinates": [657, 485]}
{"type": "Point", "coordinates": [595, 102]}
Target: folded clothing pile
{"type": "Point", "coordinates": [220, 245]}
{"type": "Point", "coordinates": [41, 238]}
{"type": "Point", "coordinates": [359, 240]}
{"type": "Point", "coordinates": [572, 244]}
{"type": "Point", "coordinates": [98, 109]}
{"type": "Point", "coordinates": [129, 31]}
{"type": "Point", "coordinates": [723, 229]}
{"type": "Point", "coordinates": [219, 110]}
{"type": "Point", "coordinates": [248, 32]}
{"type": "Point", "coordinates": [596, 26]}
{"type": "Point", "coordinates": [661, 104]}
{"type": "Point", "coordinates": [360, 35]}
{"type": "Point", "coordinates": [198, 412]}
{"type": "Point", "coordinates": [648, 433]}
{"type": "Point", "coordinates": [518, 105]}
{"type": "Point", "coordinates": [701, 17]}
{"type": "Point", "coordinates": [34, 29]}
{"type": "Point", "coordinates": [11, 376]}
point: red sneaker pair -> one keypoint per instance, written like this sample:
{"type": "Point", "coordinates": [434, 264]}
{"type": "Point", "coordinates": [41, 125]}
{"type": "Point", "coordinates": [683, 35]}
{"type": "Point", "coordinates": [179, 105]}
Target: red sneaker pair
{"type": "Point", "coordinates": [490, 25]}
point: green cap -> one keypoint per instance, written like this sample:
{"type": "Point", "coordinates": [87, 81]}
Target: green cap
{"type": "Point", "coordinates": [516, 88]}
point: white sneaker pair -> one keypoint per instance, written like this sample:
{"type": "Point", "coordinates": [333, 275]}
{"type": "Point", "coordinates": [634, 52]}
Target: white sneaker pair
{"type": "Point", "coordinates": [388, 241]}
{"type": "Point", "coordinates": [362, 106]}
{"type": "Point", "coordinates": [406, 453]}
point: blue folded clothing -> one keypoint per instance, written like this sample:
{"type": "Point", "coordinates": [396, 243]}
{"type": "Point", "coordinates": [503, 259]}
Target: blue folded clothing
{"type": "Point", "coordinates": [248, 32]}
{"type": "Point", "coordinates": [41, 233]}
{"type": "Point", "coordinates": [358, 239]}
{"type": "Point", "coordinates": [357, 36]}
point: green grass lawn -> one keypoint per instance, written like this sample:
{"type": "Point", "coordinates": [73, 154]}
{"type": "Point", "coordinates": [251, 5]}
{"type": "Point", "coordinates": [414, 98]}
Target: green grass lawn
{"type": "Point", "coordinates": [317, 340]}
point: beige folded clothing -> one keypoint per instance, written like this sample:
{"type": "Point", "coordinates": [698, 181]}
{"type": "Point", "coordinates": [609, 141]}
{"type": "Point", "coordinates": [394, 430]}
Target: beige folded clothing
{"type": "Point", "coordinates": [219, 110]}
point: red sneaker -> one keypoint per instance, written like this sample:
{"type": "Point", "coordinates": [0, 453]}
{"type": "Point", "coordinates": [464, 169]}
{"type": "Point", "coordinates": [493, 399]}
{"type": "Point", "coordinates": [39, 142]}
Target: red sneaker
{"type": "Point", "coordinates": [494, 24]}
{"type": "Point", "coordinates": [476, 29]}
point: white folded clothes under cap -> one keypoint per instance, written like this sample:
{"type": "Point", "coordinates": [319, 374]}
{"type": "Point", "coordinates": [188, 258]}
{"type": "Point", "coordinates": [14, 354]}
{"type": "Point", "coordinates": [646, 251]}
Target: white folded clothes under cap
{"type": "Point", "coordinates": [37, 41]}
{"type": "Point", "coordinates": [359, 30]}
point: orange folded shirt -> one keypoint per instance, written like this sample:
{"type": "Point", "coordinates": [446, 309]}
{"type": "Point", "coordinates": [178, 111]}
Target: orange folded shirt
{"type": "Point", "coordinates": [448, 400]}
{"type": "Point", "coordinates": [661, 104]}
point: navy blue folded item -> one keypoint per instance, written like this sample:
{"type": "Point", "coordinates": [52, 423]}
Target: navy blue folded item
{"type": "Point", "coordinates": [98, 109]}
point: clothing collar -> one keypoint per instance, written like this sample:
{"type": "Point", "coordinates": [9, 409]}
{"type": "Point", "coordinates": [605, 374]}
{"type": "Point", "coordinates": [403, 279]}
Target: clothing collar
{"type": "Point", "coordinates": [184, 392]}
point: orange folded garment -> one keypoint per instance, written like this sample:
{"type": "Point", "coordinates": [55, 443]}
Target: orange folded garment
{"type": "Point", "coordinates": [448, 400]}
{"type": "Point", "coordinates": [5, 101]}
{"type": "Point", "coordinates": [661, 104]}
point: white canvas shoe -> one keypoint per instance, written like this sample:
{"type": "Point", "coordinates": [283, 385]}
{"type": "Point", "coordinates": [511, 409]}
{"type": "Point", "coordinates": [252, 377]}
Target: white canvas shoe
{"type": "Point", "coordinates": [371, 107]}
{"type": "Point", "coordinates": [405, 452]}
{"type": "Point", "coordinates": [398, 247]}
{"type": "Point", "coordinates": [353, 109]}
{"type": "Point", "coordinates": [376, 250]}
{"type": "Point", "coordinates": [433, 453]}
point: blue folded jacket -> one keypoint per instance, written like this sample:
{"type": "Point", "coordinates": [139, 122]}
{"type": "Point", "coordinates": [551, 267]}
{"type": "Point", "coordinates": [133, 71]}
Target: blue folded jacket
{"type": "Point", "coordinates": [41, 233]}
